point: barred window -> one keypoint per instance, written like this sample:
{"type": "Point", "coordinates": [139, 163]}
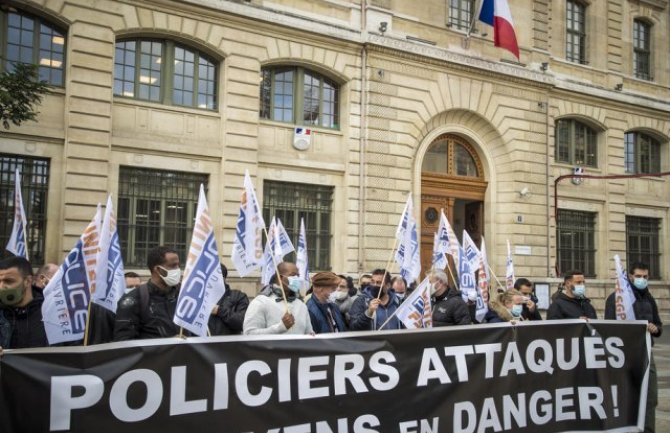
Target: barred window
{"type": "Point", "coordinates": [156, 207]}
{"type": "Point", "coordinates": [575, 36]}
{"type": "Point", "coordinates": [31, 39]}
{"type": "Point", "coordinates": [164, 72]}
{"type": "Point", "coordinates": [575, 234]}
{"type": "Point", "coordinates": [642, 153]}
{"type": "Point", "coordinates": [34, 190]}
{"type": "Point", "coordinates": [291, 201]}
{"type": "Point", "coordinates": [642, 243]}
{"type": "Point", "coordinates": [460, 14]}
{"type": "Point", "coordinates": [296, 95]}
{"type": "Point", "coordinates": [642, 50]}
{"type": "Point", "coordinates": [576, 143]}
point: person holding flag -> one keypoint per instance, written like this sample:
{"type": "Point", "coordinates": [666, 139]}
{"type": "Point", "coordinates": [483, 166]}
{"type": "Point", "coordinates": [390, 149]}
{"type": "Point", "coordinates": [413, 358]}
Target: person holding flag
{"type": "Point", "coordinates": [376, 304]}
{"type": "Point", "coordinates": [147, 311]}
{"type": "Point", "coordinates": [643, 307]}
{"type": "Point", "coordinates": [448, 306]}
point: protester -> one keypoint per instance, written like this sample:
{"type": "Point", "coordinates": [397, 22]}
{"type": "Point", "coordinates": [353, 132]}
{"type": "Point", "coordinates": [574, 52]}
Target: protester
{"type": "Point", "coordinates": [505, 307]}
{"type": "Point", "coordinates": [399, 285]}
{"type": "Point", "coordinates": [148, 311]}
{"type": "Point", "coordinates": [323, 313]}
{"type": "Point", "coordinates": [44, 274]}
{"type": "Point", "coordinates": [269, 313]}
{"type": "Point", "coordinates": [448, 306]}
{"type": "Point", "coordinates": [363, 282]}
{"type": "Point", "coordinates": [375, 305]}
{"type": "Point", "coordinates": [530, 310]}
{"type": "Point", "coordinates": [572, 302]}
{"type": "Point", "coordinates": [228, 314]}
{"type": "Point", "coordinates": [344, 298]}
{"type": "Point", "coordinates": [645, 308]}
{"type": "Point", "coordinates": [133, 281]}
{"type": "Point", "coordinates": [20, 306]}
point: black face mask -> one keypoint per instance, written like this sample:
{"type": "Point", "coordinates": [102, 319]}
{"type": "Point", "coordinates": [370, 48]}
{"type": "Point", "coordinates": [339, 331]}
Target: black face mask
{"type": "Point", "coordinates": [374, 290]}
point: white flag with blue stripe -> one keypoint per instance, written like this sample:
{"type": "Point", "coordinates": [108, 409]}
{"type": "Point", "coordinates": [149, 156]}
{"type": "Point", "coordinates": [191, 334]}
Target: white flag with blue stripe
{"type": "Point", "coordinates": [439, 257]}
{"type": "Point", "coordinates": [301, 259]}
{"type": "Point", "coordinates": [248, 243]}
{"type": "Point", "coordinates": [203, 284]}
{"type": "Point", "coordinates": [277, 246]}
{"type": "Point", "coordinates": [18, 240]}
{"type": "Point", "coordinates": [415, 311]}
{"type": "Point", "coordinates": [110, 282]}
{"type": "Point", "coordinates": [405, 218]}
{"type": "Point", "coordinates": [408, 255]}
{"type": "Point", "coordinates": [446, 232]}
{"type": "Point", "coordinates": [68, 293]}
{"type": "Point", "coordinates": [624, 298]}
{"type": "Point", "coordinates": [471, 251]}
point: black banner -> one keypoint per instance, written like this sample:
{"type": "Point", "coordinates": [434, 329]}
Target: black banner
{"type": "Point", "coordinates": [535, 376]}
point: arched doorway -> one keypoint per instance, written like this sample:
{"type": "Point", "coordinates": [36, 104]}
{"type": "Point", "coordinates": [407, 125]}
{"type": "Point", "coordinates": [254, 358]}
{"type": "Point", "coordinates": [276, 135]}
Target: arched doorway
{"type": "Point", "coordinates": [452, 178]}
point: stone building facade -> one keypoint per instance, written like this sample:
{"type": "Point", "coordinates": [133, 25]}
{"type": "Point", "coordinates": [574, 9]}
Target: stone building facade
{"type": "Point", "coordinates": [340, 109]}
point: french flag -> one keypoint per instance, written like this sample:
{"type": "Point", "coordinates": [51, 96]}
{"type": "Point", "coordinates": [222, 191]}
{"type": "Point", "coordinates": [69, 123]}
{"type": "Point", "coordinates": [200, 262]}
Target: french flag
{"type": "Point", "coordinates": [496, 13]}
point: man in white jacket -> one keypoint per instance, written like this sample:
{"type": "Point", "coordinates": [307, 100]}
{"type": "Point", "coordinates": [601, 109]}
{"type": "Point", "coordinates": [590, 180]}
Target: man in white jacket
{"type": "Point", "coordinates": [268, 313]}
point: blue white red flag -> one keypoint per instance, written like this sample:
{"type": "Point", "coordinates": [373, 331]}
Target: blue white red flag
{"type": "Point", "coordinates": [68, 293]}
{"type": "Point", "coordinates": [203, 284]}
{"type": "Point", "coordinates": [248, 243]}
{"type": "Point", "coordinates": [509, 270]}
{"type": "Point", "coordinates": [110, 283]}
{"type": "Point", "coordinates": [497, 13]}
{"type": "Point", "coordinates": [18, 240]}
{"type": "Point", "coordinates": [624, 298]}
{"type": "Point", "coordinates": [415, 311]}
{"type": "Point", "coordinates": [301, 259]}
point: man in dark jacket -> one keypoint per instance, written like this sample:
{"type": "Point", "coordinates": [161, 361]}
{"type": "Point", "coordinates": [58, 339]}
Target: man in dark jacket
{"type": "Point", "coordinates": [645, 308]}
{"type": "Point", "coordinates": [228, 314]}
{"type": "Point", "coordinates": [323, 313]}
{"type": "Point", "coordinates": [375, 305]}
{"type": "Point", "coordinates": [572, 302]}
{"type": "Point", "coordinates": [20, 306]}
{"type": "Point", "coordinates": [530, 311]}
{"type": "Point", "coordinates": [147, 311]}
{"type": "Point", "coordinates": [448, 306]}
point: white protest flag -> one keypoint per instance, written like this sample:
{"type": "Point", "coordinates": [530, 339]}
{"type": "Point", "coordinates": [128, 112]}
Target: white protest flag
{"type": "Point", "coordinates": [18, 240]}
{"type": "Point", "coordinates": [484, 279]}
{"type": "Point", "coordinates": [439, 261]}
{"type": "Point", "coordinates": [68, 293]}
{"type": "Point", "coordinates": [509, 270]}
{"type": "Point", "coordinates": [272, 248]}
{"type": "Point", "coordinates": [416, 311]}
{"type": "Point", "coordinates": [301, 260]}
{"type": "Point", "coordinates": [471, 251]}
{"type": "Point", "coordinates": [110, 283]}
{"type": "Point", "coordinates": [404, 223]}
{"type": "Point", "coordinates": [624, 297]}
{"type": "Point", "coordinates": [248, 243]}
{"type": "Point", "coordinates": [203, 284]}
{"type": "Point", "coordinates": [445, 231]}
{"type": "Point", "coordinates": [284, 246]}
{"type": "Point", "coordinates": [469, 289]}
{"type": "Point", "coordinates": [408, 255]}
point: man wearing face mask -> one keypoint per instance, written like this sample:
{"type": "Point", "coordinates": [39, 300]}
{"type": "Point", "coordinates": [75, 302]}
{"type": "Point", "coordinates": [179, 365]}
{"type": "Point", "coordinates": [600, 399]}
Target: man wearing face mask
{"type": "Point", "coordinates": [323, 313]}
{"type": "Point", "coordinates": [449, 309]}
{"type": "Point", "coordinates": [375, 305]}
{"type": "Point", "coordinates": [645, 308]}
{"type": "Point", "coordinates": [272, 312]}
{"type": "Point", "coordinates": [147, 311]}
{"type": "Point", "coordinates": [572, 302]}
{"type": "Point", "coordinates": [20, 306]}
{"type": "Point", "coordinates": [344, 298]}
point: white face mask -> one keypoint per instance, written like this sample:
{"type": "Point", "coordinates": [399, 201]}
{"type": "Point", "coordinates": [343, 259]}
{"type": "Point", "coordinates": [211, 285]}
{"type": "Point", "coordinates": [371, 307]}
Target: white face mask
{"type": "Point", "coordinates": [173, 276]}
{"type": "Point", "coordinates": [332, 297]}
{"type": "Point", "coordinates": [340, 295]}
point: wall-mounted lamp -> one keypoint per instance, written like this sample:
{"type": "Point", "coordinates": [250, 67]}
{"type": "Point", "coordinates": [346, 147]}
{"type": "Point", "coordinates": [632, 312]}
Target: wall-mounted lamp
{"type": "Point", "coordinates": [383, 26]}
{"type": "Point", "coordinates": [544, 66]}
{"type": "Point", "coordinates": [619, 87]}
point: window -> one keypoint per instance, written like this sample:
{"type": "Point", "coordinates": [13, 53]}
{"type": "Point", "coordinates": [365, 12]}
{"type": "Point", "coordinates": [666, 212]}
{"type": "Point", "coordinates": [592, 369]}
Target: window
{"type": "Point", "coordinates": [29, 39]}
{"type": "Point", "coordinates": [291, 201]}
{"type": "Point", "coordinates": [576, 143]}
{"type": "Point", "coordinates": [155, 208]}
{"type": "Point", "coordinates": [575, 233]}
{"type": "Point", "coordinates": [449, 155]}
{"type": "Point", "coordinates": [575, 37]}
{"type": "Point", "coordinates": [164, 72]}
{"type": "Point", "coordinates": [642, 50]}
{"type": "Point", "coordinates": [34, 190]}
{"type": "Point", "coordinates": [300, 96]}
{"type": "Point", "coordinates": [642, 153]}
{"type": "Point", "coordinates": [460, 14]}
{"type": "Point", "coordinates": [642, 245]}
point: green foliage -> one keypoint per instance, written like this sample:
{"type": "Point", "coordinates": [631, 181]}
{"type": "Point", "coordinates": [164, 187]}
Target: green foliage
{"type": "Point", "coordinates": [20, 93]}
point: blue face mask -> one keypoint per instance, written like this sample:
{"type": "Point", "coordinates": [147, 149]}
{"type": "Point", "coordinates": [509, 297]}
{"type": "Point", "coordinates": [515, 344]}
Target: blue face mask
{"type": "Point", "coordinates": [295, 283]}
{"type": "Point", "coordinates": [516, 310]}
{"type": "Point", "coordinates": [640, 283]}
{"type": "Point", "coordinates": [579, 290]}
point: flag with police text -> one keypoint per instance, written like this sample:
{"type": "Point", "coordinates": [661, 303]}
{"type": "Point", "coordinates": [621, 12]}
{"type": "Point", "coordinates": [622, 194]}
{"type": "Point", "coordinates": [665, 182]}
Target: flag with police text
{"type": "Point", "coordinates": [18, 239]}
{"type": "Point", "coordinates": [509, 269]}
{"type": "Point", "coordinates": [408, 255]}
{"type": "Point", "coordinates": [248, 242]}
{"type": "Point", "coordinates": [416, 311]}
{"type": "Point", "coordinates": [483, 278]}
{"type": "Point", "coordinates": [471, 251]}
{"type": "Point", "coordinates": [301, 260]}
{"type": "Point", "coordinates": [203, 284]}
{"type": "Point", "coordinates": [466, 276]}
{"type": "Point", "coordinates": [110, 283]}
{"type": "Point", "coordinates": [439, 261]}
{"type": "Point", "coordinates": [445, 231]}
{"type": "Point", "coordinates": [66, 297]}
{"type": "Point", "coordinates": [624, 298]}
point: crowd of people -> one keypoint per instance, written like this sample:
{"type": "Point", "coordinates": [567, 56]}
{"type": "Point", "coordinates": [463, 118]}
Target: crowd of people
{"type": "Point", "coordinates": [333, 303]}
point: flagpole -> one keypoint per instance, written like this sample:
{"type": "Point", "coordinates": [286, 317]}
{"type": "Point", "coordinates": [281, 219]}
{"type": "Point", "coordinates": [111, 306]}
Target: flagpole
{"type": "Point", "coordinates": [388, 264]}
{"type": "Point", "coordinates": [474, 19]}
{"type": "Point", "coordinates": [274, 262]}
{"type": "Point", "coordinates": [496, 278]}
{"type": "Point", "coordinates": [452, 276]}
{"type": "Point", "coordinates": [88, 323]}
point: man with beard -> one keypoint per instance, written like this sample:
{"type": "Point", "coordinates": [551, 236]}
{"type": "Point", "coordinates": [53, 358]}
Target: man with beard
{"type": "Point", "coordinates": [375, 306]}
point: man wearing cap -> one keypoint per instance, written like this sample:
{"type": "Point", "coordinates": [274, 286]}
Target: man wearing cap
{"type": "Point", "coordinates": [323, 313]}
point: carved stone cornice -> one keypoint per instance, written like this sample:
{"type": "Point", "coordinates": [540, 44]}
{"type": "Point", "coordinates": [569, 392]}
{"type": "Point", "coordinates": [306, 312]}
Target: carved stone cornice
{"type": "Point", "coordinates": [656, 4]}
